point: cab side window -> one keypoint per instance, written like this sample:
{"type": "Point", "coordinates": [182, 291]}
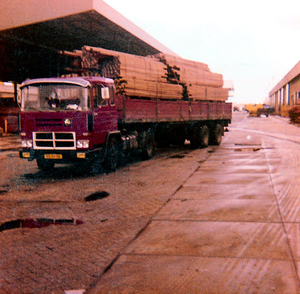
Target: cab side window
{"type": "Point", "coordinates": [98, 101]}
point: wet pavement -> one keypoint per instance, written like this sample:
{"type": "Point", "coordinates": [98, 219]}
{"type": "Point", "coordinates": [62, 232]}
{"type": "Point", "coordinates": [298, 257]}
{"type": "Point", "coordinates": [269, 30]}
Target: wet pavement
{"type": "Point", "coordinates": [232, 227]}
{"type": "Point", "coordinates": [226, 220]}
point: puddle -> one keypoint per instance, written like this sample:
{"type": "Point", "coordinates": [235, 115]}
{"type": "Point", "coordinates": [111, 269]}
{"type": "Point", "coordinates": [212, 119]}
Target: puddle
{"type": "Point", "coordinates": [96, 196]}
{"type": "Point", "coordinates": [37, 223]}
{"type": "Point", "coordinates": [246, 144]}
{"type": "Point", "coordinates": [247, 149]}
{"type": "Point", "coordinates": [177, 156]}
{"type": "Point", "coordinates": [12, 155]}
{"type": "Point", "coordinates": [81, 291]}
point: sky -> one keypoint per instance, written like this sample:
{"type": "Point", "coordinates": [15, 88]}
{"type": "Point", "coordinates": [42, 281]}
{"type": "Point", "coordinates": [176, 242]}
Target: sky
{"type": "Point", "coordinates": [254, 43]}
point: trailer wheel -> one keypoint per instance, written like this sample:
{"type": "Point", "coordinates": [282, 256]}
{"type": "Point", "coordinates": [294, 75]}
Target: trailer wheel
{"type": "Point", "coordinates": [200, 137]}
{"type": "Point", "coordinates": [162, 139]}
{"type": "Point", "coordinates": [44, 165]}
{"type": "Point", "coordinates": [111, 160]}
{"type": "Point", "coordinates": [178, 139]}
{"type": "Point", "coordinates": [204, 134]}
{"type": "Point", "coordinates": [149, 145]}
{"type": "Point", "coordinates": [216, 135]}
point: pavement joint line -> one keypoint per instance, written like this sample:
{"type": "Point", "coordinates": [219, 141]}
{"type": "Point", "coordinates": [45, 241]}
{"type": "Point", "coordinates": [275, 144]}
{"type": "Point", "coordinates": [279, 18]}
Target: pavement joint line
{"type": "Point", "coordinates": [202, 256]}
{"type": "Point", "coordinates": [214, 221]}
{"type": "Point", "coordinates": [106, 269]}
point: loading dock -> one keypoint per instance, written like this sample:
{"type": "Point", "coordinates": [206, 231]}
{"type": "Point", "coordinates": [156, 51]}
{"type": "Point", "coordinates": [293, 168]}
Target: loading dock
{"type": "Point", "coordinates": [34, 33]}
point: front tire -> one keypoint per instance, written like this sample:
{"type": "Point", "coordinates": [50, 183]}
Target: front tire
{"type": "Point", "coordinates": [111, 160]}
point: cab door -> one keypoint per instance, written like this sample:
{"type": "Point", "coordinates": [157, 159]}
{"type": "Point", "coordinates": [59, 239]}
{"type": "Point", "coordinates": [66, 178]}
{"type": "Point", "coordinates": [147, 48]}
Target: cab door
{"type": "Point", "coordinates": [104, 114]}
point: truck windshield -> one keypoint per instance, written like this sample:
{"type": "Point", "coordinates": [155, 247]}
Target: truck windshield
{"type": "Point", "coordinates": [55, 97]}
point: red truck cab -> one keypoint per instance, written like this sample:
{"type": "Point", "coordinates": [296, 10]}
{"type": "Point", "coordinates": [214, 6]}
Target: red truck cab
{"type": "Point", "coordinates": [66, 120]}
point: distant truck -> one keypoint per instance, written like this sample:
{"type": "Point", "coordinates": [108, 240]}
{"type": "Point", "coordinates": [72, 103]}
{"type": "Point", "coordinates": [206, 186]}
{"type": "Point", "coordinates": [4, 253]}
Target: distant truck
{"type": "Point", "coordinates": [265, 110]}
{"type": "Point", "coordinates": [83, 120]}
{"type": "Point", "coordinates": [259, 109]}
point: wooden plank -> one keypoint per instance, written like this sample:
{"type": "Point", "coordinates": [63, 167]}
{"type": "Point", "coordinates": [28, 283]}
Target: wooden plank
{"type": "Point", "coordinates": [196, 92]}
{"type": "Point", "coordinates": [217, 94]}
{"type": "Point", "coordinates": [143, 88]}
{"type": "Point", "coordinates": [175, 61]}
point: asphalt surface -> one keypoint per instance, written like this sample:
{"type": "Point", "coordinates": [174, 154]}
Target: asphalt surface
{"type": "Point", "coordinates": [220, 220]}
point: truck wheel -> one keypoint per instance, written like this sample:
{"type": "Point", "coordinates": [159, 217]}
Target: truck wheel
{"type": "Point", "coordinates": [216, 135]}
{"type": "Point", "coordinates": [44, 165]}
{"type": "Point", "coordinates": [149, 145]}
{"type": "Point", "coordinates": [95, 167]}
{"type": "Point", "coordinates": [111, 160]}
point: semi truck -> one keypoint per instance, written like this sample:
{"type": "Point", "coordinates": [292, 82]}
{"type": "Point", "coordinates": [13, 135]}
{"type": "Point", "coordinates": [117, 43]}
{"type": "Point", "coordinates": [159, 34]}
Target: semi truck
{"type": "Point", "coordinates": [84, 120]}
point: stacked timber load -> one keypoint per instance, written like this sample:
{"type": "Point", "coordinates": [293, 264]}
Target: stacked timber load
{"type": "Point", "coordinates": [196, 77]}
{"type": "Point", "coordinates": [160, 76]}
{"type": "Point", "coordinates": [134, 75]}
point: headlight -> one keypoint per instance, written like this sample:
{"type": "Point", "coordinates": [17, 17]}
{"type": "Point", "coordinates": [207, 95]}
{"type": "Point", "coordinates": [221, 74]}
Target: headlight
{"type": "Point", "coordinates": [83, 144]}
{"type": "Point", "coordinates": [68, 122]}
{"type": "Point", "coordinates": [26, 143]}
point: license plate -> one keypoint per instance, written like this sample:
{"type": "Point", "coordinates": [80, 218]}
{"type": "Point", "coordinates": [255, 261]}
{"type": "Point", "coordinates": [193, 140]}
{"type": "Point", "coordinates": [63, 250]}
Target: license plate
{"type": "Point", "coordinates": [53, 156]}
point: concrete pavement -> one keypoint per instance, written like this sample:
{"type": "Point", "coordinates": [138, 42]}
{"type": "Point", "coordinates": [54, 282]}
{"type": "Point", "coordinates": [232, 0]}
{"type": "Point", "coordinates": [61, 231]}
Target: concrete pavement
{"type": "Point", "coordinates": [232, 227]}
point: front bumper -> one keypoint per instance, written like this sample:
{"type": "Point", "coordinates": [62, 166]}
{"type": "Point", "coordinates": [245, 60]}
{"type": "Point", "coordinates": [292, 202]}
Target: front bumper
{"type": "Point", "coordinates": [61, 156]}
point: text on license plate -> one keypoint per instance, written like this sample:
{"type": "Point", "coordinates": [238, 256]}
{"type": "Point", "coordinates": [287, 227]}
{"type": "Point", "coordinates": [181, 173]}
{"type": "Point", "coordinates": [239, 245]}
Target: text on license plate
{"type": "Point", "coordinates": [53, 156]}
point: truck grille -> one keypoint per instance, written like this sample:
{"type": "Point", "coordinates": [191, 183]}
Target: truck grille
{"type": "Point", "coordinates": [54, 140]}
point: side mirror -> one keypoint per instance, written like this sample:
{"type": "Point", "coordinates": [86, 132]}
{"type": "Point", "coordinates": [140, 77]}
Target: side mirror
{"type": "Point", "coordinates": [19, 100]}
{"type": "Point", "coordinates": [105, 93]}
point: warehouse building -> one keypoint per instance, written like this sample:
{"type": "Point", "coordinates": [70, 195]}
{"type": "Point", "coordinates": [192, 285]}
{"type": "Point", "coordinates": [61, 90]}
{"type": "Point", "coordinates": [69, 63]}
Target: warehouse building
{"type": "Point", "coordinates": [286, 93]}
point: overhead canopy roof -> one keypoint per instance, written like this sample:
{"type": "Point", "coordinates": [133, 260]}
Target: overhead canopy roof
{"type": "Point", "coordinates": [32, 32]}
{"type": "Point", "coordinates": [293, 73]}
